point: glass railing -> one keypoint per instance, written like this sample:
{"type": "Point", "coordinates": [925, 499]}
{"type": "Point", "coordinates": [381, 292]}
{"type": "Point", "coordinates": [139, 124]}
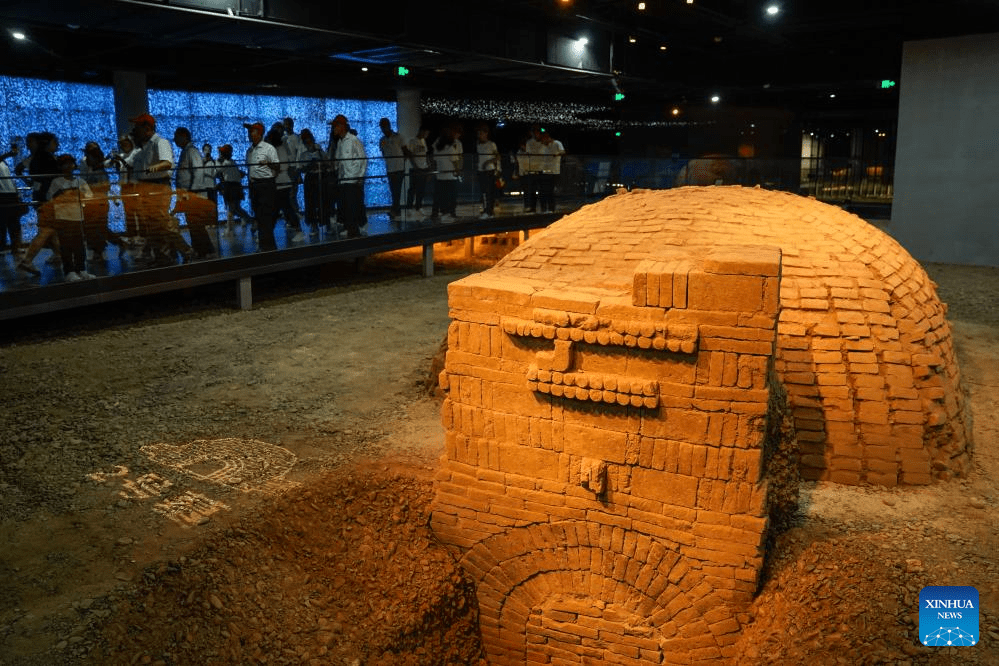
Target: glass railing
{"type": "Point", "coordinates": [116, 224]}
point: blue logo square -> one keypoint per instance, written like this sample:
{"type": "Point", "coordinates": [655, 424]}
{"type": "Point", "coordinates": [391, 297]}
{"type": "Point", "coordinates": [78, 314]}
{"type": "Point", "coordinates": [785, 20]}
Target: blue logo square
{"type": "Point", "coordinates": [948, 615]}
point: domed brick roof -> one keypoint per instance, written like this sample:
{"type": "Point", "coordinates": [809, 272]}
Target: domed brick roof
{"type": "Point", "coordinates": [864, 347]}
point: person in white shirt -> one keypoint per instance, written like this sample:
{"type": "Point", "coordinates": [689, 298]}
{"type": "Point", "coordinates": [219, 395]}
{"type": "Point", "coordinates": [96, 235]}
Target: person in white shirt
{"type": "Point", "coordinates": [67, 195]}
{"type": "Point", "coordinates": [194, 180]}
{"type": "Point", "coordinates": [395, 164]}
{"type": "Point", "coordinates": [419, 169]}
{"type": "Point", "coordinates": [97, 233]}
{"type": "Point", "coordinates": [549, 168]}
{"type": "Point", "coordinates": [285, 206]}
{"type": "Point", "coordinates": [263, 166]}
{"type": "Point", "coordinates": [231, 180]}
{"type": "Point", "coordinates": [448, 154]}
{"type": "Point", "coordinates": [151, 169]}
{"type": "Point", "coordinates": [351, 167]}
{"type": "Point", "coordinates": [11, 208]}
{"type": "Point", "coordinates": [296, 153]}
{"type": "Point", "coordinates": [530, 168]}
{"type": "Point", "coordinates": [488, 167]}
{"type": "Point", "coordinates": [211, 168]}
{"type": "Point", "coordinates": [122, 161]}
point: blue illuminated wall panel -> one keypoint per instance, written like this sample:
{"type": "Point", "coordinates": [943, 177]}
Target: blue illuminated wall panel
{"type": "Point", "coordinates": [74, 112]}
{"type": "Point", "coordinates": [78, 112]}
{"type": "Point", "coordinates": [217, 118]}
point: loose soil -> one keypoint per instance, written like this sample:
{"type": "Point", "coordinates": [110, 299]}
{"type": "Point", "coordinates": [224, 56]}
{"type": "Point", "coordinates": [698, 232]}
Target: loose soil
{"type": "Point", "coordinates": [184, 483]}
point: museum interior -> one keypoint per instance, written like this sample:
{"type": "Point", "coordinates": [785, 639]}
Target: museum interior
{"type": "Point", "coordinates": [657, 332]}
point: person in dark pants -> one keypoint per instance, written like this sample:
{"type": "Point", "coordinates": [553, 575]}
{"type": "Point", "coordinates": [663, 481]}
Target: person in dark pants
{"type": "Point", "coordinates": [262, 164]}
{"type": "Point", "coordinates": [351, 167]}
{"type": "Point", "coordinates": [11, 207]}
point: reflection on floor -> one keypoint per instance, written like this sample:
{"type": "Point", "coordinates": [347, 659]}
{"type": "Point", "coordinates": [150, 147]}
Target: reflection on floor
{"type": "Point", "coordinates": [241, 240]}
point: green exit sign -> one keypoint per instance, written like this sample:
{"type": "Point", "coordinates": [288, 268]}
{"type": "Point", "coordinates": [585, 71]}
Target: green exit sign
{"type": "Point", "coordinates": [618, 97]}
{"type": "Point", "coordinates": [887, 83]}
{"type": "Point", "coordinates": [402, 71]}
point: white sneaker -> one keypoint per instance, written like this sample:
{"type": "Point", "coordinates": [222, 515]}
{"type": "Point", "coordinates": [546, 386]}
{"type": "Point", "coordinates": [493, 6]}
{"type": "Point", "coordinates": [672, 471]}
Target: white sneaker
{"type": "Point", "coordinates": [298, 238]}
{"type": "Point", "coordinates": [73, 277]}
{"type": "Point", "coordinates": [87, 276]}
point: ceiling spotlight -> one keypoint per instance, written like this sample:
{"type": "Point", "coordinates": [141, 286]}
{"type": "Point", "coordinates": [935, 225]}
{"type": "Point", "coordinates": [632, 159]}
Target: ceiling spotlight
{"type": "Point", "coordinates": [17, 34]}
{"type": "Point", "coordinates": [715, 99]}
{"type": "Point", "coordinates": [641, 6]}
{"type": "Point", "coordinates": [773, 10]}
{"type": "Point", "coordinates": [690, 2]}
{"type": "Point", "coordinates": [675, 111]}
{"type": "Point", "coordinates": [632, 40]}
{"type": "Point", "coordinates": [832, 95]}
{"type": "Point", "coordinates": [364, 69]}
{"type": "Point", "coordinates": [662, 48]}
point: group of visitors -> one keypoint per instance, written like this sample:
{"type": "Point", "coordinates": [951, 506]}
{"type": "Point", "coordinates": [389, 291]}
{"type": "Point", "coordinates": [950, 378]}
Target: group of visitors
{"type": "Point", "coordinates": [74, 201]}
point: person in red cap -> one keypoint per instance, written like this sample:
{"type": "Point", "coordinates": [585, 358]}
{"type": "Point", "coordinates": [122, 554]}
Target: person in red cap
{"type": "Point", "coordinates": [151, 170]}
{"type": "Point", "coordinates": [262, 164]}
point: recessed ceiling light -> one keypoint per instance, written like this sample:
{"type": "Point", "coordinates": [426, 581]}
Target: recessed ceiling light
{"type": "Point", "coordinates": [641, 6]}
{"type": "Point", "coordinates": [662, 48]}
{"type": "Point", "coordinates": [632, 40]}
{"type": "Point", "coordinates": [676, 111]}
{"type": "Point", "coordinates": [773, 10]}
{"type": "Point", "coordinates": [715, 99]}
{"type": "Point", "coordinates": [364, 69]}
{"type": "Point", "coordinates": [832, 95]}
{"type": "Point", "coordinates": [17, 34]}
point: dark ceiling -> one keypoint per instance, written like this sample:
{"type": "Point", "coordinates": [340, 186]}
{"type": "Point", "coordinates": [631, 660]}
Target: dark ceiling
{"type": "Point", "coordinates": [795, 60]}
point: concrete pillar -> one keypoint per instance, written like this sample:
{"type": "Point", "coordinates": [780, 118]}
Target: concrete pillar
{"type": "Point", "coordinates": [130, 98]}
{"type": "Point", "coordinates": [244, 293]}
{"type": "Point", "coordinates": [428, 260]}
{"type": "Point", "coordinates": [470, 246]}
{"type": "Point", "coordinates": [408, 115]}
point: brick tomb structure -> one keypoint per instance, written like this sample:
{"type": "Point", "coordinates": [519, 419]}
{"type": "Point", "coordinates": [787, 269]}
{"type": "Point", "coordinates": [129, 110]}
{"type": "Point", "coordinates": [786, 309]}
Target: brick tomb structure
{"type": "Point", "coordinates": [615, 393]}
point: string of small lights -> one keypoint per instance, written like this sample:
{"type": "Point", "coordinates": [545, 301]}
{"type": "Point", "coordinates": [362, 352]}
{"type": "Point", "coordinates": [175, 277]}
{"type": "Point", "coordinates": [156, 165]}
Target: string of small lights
{"type": "Point", "coordinates": [565, 114]}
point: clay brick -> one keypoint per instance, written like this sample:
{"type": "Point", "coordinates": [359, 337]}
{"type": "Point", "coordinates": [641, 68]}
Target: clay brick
{"type": "Point", "coordinates": [668, 488]}
{"type": "Point", "coordinates": [677, 425]}
{"type": "Point", "coordinates": [846, 477]}
{"type": "Point", "coordinates": [528, 461]}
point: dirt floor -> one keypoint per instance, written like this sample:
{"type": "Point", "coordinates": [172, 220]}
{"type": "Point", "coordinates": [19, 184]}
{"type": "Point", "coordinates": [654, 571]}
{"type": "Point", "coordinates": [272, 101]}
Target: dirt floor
{"type": "Point", "coordinates": [185, 483]}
